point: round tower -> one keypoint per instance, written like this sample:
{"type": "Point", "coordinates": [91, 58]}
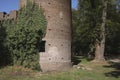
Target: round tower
{"type": "Point", "coordinates": [57, 55]}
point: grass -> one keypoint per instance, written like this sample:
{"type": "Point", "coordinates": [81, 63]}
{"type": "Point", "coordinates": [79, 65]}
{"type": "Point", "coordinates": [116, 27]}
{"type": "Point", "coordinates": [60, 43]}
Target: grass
{"type": "Point", "coordinates": [98, 72]}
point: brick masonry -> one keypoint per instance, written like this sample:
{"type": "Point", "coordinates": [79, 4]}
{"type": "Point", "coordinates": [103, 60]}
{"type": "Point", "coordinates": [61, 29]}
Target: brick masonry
{"type": "Point", "coordinates": [57, 55]}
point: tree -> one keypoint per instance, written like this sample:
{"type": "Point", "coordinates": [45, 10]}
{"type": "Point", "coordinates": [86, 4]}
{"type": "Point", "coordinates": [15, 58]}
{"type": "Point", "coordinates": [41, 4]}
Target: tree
{"type": "Point", "coordinates": [96, 28]}
{"type": "Point", "coordinates": [89, 24]}
{"type": "Point", "coordinates": [112, 30]}
{"type": "Point", "coordinates": [100, 45]}
{"type": "Point", "coordinates": [3, 55]}
{"type": "Point", "coordinates": [75, 36]}
{"type": "Point", "coordinates": [24, 38]}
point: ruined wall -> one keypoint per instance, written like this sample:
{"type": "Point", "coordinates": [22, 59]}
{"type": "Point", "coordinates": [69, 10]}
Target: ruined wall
{"type": "Point", "coordinates": [11, 15]}
{"type": "Point", "coordinates": [57, 55]}
{"type": "Point", "coordinates": [24, 2]}
{"type": "Point", "coordinates": [2, 15]}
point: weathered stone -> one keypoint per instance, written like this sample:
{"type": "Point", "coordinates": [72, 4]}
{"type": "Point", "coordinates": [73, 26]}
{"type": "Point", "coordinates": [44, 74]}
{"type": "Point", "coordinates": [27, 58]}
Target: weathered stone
{"type": "Point", "coordinates": [115, 60]}
{"type": "Point", "coordinates": [11, 15]}
{"type": "Point", "coordinates": [2, 15]}
{"type": "Point", "coordinates": [58, 36]}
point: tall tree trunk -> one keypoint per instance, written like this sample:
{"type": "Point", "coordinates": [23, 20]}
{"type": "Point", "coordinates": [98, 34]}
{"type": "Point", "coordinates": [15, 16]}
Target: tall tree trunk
{"type": "Point", "coordinates": [100, 45]}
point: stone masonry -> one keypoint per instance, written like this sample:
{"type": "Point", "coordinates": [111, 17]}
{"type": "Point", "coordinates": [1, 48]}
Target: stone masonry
{"type": "Point", "coordinates": [11, 15]}
{"type": "Point", "coordinates": [57, 54]}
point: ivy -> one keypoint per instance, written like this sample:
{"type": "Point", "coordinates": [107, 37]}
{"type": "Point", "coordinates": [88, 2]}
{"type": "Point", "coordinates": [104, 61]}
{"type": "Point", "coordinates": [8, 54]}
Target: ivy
{"type": "Point", "coordinates": [24, 37]}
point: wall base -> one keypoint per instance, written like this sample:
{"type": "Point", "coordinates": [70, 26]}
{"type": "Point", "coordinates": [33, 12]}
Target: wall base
{"type": "Point", "coordinates": [47, 64]}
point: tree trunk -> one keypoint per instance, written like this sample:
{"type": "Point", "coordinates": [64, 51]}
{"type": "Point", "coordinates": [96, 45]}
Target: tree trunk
{"type": "Point", "coordinates": [100, 45]}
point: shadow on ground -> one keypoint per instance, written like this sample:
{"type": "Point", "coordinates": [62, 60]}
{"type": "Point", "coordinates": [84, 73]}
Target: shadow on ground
{"type": "Point", "coordinates": [76, 60]}
{"type": "Point", "coordinates": [116, 72]}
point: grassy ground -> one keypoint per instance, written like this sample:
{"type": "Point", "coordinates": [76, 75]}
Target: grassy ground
{"type": "Point", "coordinates": [99, 72]}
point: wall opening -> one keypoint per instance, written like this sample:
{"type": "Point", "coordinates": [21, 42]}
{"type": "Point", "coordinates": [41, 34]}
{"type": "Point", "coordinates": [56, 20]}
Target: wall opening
{"type": "Point", "coordinates": [49, 3]}
{"type": "Point", "coordinates": [49, 29]}
{"type": "Point", "coordinates": [49, 44]}
{"type": "Point", "coordinates": [42, 46]}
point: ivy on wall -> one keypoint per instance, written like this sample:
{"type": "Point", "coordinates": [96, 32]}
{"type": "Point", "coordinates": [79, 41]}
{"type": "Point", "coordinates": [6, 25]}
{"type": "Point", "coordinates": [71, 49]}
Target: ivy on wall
{"type": "Point", "coordinates": [24, 35]}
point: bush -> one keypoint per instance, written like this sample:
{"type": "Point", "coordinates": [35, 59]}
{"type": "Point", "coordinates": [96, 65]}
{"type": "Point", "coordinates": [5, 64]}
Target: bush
{"type": "Point", "coordinates": [24, 37]}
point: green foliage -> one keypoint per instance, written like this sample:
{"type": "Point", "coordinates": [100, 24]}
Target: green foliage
{"type": "Point", "coordinates": [86, 22]}
{"type": "Point", "coordinates": [98, 72]}
{"type": "Point", "coordinates": [87, 25]}
{"type": "Point", "coordinates": [27, 35]}
{"type": "Point", "coordinates": [4, 55]}
{"type": "Point", "coordinates": [24, 36]}
{"type": "Point", "coordinates": [113, 30]}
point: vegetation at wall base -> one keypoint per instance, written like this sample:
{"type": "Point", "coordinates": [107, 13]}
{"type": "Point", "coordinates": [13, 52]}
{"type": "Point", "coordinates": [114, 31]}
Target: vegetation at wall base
{"type": "Point", "coordinates": [23, 36]}
{"type": "Point", "coordinates": [98, 72]}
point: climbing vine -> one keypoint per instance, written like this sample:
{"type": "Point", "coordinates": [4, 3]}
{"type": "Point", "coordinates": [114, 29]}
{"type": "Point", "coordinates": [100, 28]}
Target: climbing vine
{"type": "Point", "coordinates": [23, 39]}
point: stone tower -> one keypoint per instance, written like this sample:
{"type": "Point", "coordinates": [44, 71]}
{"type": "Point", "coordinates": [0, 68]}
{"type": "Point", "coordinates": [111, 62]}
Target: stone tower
{"type": "Point", "coordinates": [57, 55]}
